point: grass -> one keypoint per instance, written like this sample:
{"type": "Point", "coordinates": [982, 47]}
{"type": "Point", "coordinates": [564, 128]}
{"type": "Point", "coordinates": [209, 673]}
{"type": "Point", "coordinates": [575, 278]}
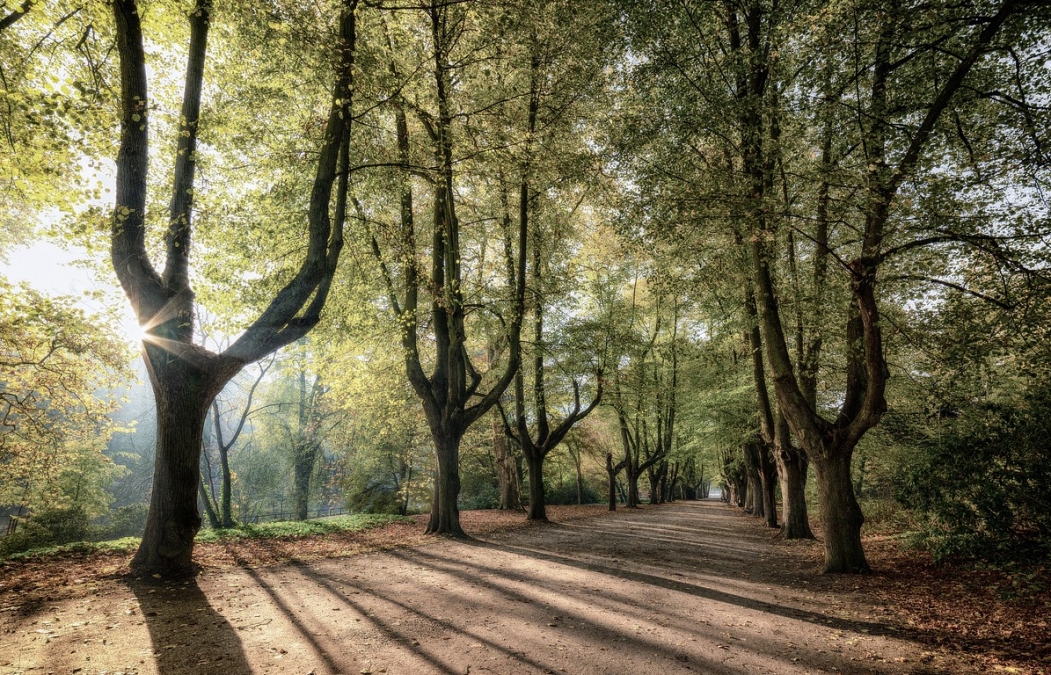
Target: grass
{"type": "Point", "coordinates": [122, 545]}
{"type": "Point", "coordinates": [275, 530]}
{"type": "Point", "coordinates": [301, 528]}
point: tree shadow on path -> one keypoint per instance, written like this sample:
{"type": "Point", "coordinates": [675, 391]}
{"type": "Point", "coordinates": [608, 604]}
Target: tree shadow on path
{"type": "Point", "coordinates": [188, 634]}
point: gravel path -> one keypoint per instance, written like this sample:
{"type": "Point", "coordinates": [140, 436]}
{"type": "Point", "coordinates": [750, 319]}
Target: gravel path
{"type": "Point", "coordinates": [690, 587]}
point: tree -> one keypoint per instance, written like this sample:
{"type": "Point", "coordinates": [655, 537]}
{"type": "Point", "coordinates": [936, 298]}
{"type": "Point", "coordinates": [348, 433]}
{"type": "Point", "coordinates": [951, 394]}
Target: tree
{"type": "Point", "coordinates": [306, 438]}
{"type": "Point", "coordinates": [830, 444]}
{"type": "Point", "coordinates": [220, 512]}
{"type": "Point", "coordinates": [57, 365]}
{"type": "Point", "coordinates": [447, 393]}
{"type": "Point", "coordinates": [872, 123]}
{"type": "Point", "coordinates": [644, 386]}
{"type": "Point", "coordinates": [186, 377]}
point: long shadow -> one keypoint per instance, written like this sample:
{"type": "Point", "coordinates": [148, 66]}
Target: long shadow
{"type": "Point", "coordinates": [762, 646]}
{"type": "Point", "coordinates": [309, 635]}
{"type": "Point", "coordinates": [613, 603]}
{"type": "Point", "coordinates": [616, 608]}
{"type": "Point", "coordinates": [697, 591]}
{"type": "Point", "coordinates": [327, 581]}
{"type": "Point", "coordinates": [188, 635]}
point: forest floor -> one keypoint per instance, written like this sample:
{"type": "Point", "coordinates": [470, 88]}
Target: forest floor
{"type": "Point", "coordinates": [689, 587]}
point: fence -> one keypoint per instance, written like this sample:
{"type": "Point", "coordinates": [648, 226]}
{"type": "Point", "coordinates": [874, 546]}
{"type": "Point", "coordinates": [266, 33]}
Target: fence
{"type": "Point", "coordinates": [290, 515]}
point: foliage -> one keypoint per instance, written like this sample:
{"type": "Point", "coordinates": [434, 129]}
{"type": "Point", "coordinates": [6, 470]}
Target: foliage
{"type": "Point", "coordinates": [565, 492]}
{"type": "Point", "coordinates": [292, 529]}
{"type": "Point", "coordinates": [124, 521]}
{"type": "Point", "coordinates": [984, 481]}
{"type": "Point", "coordinates": [634, 179]}
{"type": "Point", "coordinates": [56, 95]}
{"type": "Point", "coordinates": [56, 363]}
{"type": "Point", "coordinates": [48, 527]}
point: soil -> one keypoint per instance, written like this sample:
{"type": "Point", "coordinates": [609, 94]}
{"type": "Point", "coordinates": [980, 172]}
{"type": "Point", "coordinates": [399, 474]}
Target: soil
{"type": "Point", "coordinates": [688, 587]}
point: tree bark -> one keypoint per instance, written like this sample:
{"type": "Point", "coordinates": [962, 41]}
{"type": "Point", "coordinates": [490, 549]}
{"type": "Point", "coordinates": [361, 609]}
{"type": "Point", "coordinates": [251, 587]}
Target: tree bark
{"type": "Point", "coordinates": [537, 506]}
{"type": "Point", "coordinates": [445, 514]}
{"type": "Point", "coordinates": [226, 489]}
{"type": "Point", "coordinates": [209, 509]}
{"type": "Point", "coordinates": [655, 487]}
{"type": "Point", "coordinates": [183, 393]}
{"type": "Point", "coordinates": [580, 479]}
{"type": "Point", "coordinates": [304, 457]}
{"type": "Point", "coordinates": [840, 514]}
{"type": "Point", "coordinates": [792, 472]}
{"type": "Point", "coordinates": [754, 493]}
{"type": "Point", "coordinates": [506, 469]}
{"type": "Point", "coordinates": [611, 476]}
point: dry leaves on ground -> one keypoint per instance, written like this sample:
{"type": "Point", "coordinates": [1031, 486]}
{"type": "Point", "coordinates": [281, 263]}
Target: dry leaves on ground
{"type": "Point", "coordinates": [1001, 617]}
{"type": "Point", "coordinates": [28, 582]}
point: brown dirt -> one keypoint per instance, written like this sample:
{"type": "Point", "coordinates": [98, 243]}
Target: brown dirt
{"type": "Point", "coordinates": [693, 587]}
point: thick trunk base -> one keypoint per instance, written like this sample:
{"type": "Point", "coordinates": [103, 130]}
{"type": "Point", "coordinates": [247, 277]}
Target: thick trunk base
{"type": "Point", "coordinates": [445, 512]}
{"type": "Point", "coordinates": [841, 516]}
{"type": "Point", "coordinates": [537, 507]}
{"type": "Point", "coordinates": [182, 394]}
{"type": "Point", "coordinates": [792, 471]}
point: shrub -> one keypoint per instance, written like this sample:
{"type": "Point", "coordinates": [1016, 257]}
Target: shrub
{"type": "Point", "coordinates": [48, 527]}
{"type": "Point", "coordinates": [126, 521]}
{"type": "Point", "coordinates": [566, 493]}
{"type": "Point", "coordinates": [479, 494]}
{"type": "Point", "coordinates": [983, 487]}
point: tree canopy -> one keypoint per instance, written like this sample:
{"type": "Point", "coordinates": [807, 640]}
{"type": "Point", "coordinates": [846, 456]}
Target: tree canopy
{"type": "Point", "coordinates": [799, 248]}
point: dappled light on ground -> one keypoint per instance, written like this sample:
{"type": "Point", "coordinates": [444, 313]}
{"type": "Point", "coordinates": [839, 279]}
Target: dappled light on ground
{"type": "Point", "coordinates": [691, 587]}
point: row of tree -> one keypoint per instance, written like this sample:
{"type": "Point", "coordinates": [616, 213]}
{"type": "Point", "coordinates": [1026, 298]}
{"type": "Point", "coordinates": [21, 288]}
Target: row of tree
{"type": "Point", "coordinates": [730, 223]}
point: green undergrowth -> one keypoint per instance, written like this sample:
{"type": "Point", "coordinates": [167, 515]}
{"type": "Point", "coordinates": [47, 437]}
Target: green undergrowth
{"type": "Point", "coordinates": [298, 528]}
{"type": "Point", "coordinates": [122, 545]}
{"type": "Point", "coordinates": [275, 530]}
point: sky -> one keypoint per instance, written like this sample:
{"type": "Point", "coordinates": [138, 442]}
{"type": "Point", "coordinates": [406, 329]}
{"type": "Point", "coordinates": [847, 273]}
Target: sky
{"type": "Point", "coordinates": [55, 270]}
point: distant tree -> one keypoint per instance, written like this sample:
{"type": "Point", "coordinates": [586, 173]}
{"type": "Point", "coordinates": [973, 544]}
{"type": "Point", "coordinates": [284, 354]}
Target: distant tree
{"type": "Point", "coordinates": [219, 510]}
{"type": "Point", "coordinates": [56, 366]}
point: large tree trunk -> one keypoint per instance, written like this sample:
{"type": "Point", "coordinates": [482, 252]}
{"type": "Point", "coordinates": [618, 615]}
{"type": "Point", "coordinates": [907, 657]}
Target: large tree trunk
{"type": "Point", "coordinates": [537, 510]}
{"type": "Point", "coordinates": [841, 516]}
{"type": "Point", "coordinates": [792, 471]}
{"type": "Point", "coordinates": [445, 511]}
{"type": "Point", "coordinates": [183, 393]}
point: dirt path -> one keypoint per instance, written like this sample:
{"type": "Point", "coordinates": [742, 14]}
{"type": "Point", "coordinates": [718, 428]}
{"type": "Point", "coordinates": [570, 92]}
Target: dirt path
{"type": "Point", "coordinates": [674, 589]}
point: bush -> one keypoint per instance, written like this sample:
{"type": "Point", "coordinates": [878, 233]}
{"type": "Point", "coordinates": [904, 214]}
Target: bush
{"type": "Point", "coordinates": [983, 488]}
{"type": "Point", "coordinates": [48, 527]}
{"type": "Point", "coordinates": [126, 521]}
{"type": "Point", "coordinates": [479, 494]}
{"type": "Point", "coordinates": [566, 493]}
